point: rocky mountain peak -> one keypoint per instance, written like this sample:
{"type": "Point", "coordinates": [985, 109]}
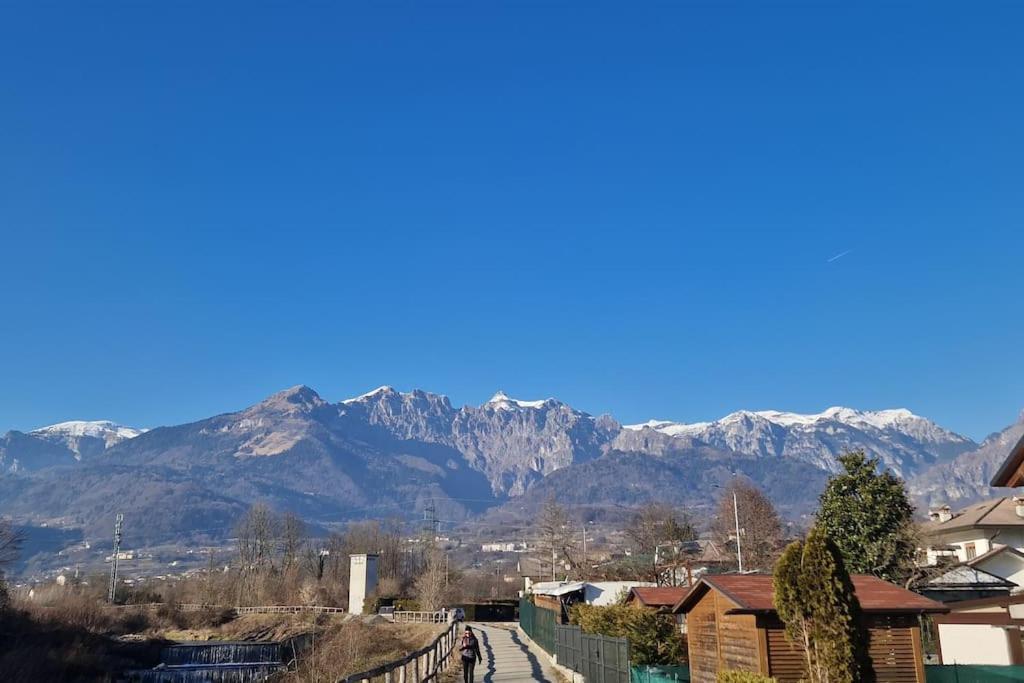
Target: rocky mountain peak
{"type": "Point", "coordinates": [297, 399]}
{"type": "Point", "coordinates": [502, 401]}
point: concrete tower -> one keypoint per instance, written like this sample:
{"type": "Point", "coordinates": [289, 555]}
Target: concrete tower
{"type": "Point", "coordinates": [362, 581]}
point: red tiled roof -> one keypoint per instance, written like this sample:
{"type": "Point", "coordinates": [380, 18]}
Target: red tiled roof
{"type": "Point", "coordinates": [753, 593]}
{"type": "Point", "coordinates": [658, 597]}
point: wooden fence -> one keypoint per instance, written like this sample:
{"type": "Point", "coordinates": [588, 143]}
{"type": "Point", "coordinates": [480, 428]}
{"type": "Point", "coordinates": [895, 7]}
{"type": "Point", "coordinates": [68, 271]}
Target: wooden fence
{"type": "Point", "coordinates": [262, 609]}
{"type": "Point", "coordinates": [416, 667]}
{"type": "Point", "coordinates": [289, 609]}
{"type": "Point", "coordinates": [410, 617]}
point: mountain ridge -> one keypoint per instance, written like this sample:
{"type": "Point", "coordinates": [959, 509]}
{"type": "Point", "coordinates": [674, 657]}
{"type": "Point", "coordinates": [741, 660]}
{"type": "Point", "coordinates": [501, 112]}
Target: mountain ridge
{"type": "Point", "coordinates": [388, 452]}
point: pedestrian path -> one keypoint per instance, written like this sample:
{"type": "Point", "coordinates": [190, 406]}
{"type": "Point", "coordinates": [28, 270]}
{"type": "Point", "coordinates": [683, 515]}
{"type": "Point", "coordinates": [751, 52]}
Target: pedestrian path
{"type": "Point", "coordinates": [507, 659]}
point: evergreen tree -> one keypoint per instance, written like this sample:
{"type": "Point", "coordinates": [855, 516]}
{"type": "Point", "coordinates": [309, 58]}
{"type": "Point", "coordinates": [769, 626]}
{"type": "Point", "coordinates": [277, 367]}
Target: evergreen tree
{"type": "Point", "coordinates": [815, 600]}
{"type": "Point", "coordinates": [868, 515]}
{"type": "Point", "coordinates": [653, 638]}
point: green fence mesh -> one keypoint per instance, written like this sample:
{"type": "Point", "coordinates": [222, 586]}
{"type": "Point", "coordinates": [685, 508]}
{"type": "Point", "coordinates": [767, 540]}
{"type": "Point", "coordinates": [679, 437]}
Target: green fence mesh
{"type": "Point", "coordinates": [659, 674]}
{"type": "Point", "coordinates": [972, 673]}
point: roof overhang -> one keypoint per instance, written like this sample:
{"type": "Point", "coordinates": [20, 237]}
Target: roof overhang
{"type": "Point", "coordinates": [691, 598]}
{"type": "Point", "coordinates": [1011, 474]}
{"type": "Point", "coordinates": [559, 589]}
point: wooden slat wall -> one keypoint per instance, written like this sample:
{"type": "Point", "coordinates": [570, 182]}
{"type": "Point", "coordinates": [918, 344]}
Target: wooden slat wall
{"type": "Point", "coordinates": [737, 638]}
{"type": "Point", "coordinates": [892, 650]}
{"type": "Point", "coordinates": [894, 654]}
{"type": "Point", "coordinates": [702, 634]}
{"type": "Point", "coordinates": [786, 661]}
{"type": "Point", "coordinates": [720, 641]}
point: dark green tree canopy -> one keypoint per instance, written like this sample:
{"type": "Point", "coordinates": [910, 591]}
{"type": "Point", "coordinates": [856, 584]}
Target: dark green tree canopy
{"type": "Point", "coordinates": [867, 514]}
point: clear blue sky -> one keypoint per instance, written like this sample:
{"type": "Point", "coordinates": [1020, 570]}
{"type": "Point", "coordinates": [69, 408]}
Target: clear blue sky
{"type": "Point", "coordinates": [634, 210]}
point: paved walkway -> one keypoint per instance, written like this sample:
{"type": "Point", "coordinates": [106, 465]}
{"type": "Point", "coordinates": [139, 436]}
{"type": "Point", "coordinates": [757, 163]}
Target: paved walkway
{"type": "Point", "coordinates": [507, 659]}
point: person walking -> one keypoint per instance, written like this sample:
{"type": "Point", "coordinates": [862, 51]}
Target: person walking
{"type": "Point", "coordinates": [469, 649]}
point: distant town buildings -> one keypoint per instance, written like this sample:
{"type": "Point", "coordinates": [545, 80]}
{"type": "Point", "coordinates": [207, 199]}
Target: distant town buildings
{"type": "Point", "coordinates": [504, 547]}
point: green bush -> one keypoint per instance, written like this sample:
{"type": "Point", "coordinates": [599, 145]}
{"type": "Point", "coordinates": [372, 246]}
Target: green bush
{"type": "Point", "coordinates": [653, 638]}
{"type": "Point", "coordinates": [742, 677]}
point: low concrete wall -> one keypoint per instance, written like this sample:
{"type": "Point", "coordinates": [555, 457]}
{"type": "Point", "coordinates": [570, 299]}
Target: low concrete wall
{"type": "Point", "coordinates": [567, 673]}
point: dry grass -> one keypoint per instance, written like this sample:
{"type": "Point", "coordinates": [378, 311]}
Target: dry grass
{"type": "Point", "coordinates": [342, 649]}
{"type": "Point", "coordinates": [48, 649]}
{"type": "Point", "coordinates": [252, 627]}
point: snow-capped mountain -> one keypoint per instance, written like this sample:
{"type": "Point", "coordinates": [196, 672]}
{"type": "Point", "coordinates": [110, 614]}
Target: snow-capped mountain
{"type": "Point", "coordinates": [513, 442]}
{"type": "Point", "coordinates": [59, 444]}
{"type": "Point", "coordinates": [86, 438]}
{"type": "Point", "coordinates": [905, 442]}
{"type": "Point", "coordinates": [388, 452]}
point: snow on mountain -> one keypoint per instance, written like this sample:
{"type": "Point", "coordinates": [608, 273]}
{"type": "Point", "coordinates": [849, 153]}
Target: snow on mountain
{"type": "Point", "coordinates": [502, 401]}
{"type": "Point", "coordinates": [84, 437]}
{"type": "Point", "coordinates": [369, 394]}
{"type": "Point", "coordinates": [905, 442]}
{"type": "Point", "coordinates": [110, 432]}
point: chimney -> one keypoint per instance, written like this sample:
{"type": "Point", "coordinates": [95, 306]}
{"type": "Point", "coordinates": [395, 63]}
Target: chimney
{"type": "Point", "coordinates": [943, 514]}
{"type": "Point", "coordinates": [1018, 503]}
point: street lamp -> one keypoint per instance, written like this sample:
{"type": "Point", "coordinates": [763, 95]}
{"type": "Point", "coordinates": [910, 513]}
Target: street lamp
{"type": "Point", "coordinates": [736, 515]}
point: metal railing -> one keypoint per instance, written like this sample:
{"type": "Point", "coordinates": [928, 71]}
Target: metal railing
{"type": "Point", "coordinates": [289, 609]}
{"type": "Point", "coordinates": [416, 667]}
{"type": "Point", "coordinates": [260, 609]}
{"type": "Point", "coordinates": [412, 617]}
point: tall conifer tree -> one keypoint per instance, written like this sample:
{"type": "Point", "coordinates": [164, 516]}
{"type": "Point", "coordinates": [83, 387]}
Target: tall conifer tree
{"type": "Point", "coordinates": [815, 600]}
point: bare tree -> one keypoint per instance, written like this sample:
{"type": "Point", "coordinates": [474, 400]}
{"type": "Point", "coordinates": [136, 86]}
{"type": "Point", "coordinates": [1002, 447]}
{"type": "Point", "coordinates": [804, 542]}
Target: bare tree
{"type": "Point", "coordinates": [556, 545]}
{"type": "Point", "coordinates": [432, 585]}
{"type": "Point", "coordinates": [257, 545]}
{"type": "Point", "coordinates": [257, 537]}
{"type": "Point", "coordinates": [760, 525]}
{"type": "Point", "coordinates": [293, 538]}
{"type": "Point", "coordinates": [11, 540]}
{"type": "Point", "coordinates": [657, 530]}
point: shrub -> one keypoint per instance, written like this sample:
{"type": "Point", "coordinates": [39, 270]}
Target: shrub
{"type": "Point", "coordinates": [134, 621]}
{"type": "Point", "coordinates": [742, 677]}
{"type": "Point", "coordinates": [653, 638]}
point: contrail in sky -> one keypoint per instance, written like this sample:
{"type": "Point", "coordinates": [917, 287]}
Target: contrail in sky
{"type": "Point", "coordinates": [838, 256]}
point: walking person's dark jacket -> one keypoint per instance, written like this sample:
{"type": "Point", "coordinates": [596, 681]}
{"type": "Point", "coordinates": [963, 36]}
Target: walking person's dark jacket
{"type": "Point", "coordinates": [469, 652]}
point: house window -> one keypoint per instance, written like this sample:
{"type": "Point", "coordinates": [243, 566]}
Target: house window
{"type": "Point", "coordinates": [971, 551]}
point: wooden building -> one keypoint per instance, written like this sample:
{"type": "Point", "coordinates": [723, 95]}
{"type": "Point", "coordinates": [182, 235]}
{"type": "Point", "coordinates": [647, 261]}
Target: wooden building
{"type": "Point", "coordinates": [658, 598]}
{"type": "Point", "coordinates": [732, 625]}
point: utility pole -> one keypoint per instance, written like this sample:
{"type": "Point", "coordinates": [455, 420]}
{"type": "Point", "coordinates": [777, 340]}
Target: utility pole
{"type": "Point", "coordinates": [113, 564]}
{"type": "Point", "coordinates": [736, 517]}
{"type": "Point", "coordinates": [736, 513]}
{"type": "Point", "coordinates": [584, 547]}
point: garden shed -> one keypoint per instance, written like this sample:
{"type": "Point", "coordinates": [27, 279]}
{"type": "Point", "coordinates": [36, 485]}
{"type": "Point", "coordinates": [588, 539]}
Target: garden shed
{"type": "Point", "coordinates": [732, 625]}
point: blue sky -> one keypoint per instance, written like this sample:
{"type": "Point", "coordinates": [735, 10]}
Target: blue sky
{"type": "Point", "coordinates": [632, 208]}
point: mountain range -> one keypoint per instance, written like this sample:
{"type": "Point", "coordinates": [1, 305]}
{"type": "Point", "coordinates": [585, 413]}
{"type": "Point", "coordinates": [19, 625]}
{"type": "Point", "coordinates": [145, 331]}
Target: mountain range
{"type": "Point", "coordinates": [391, 453]}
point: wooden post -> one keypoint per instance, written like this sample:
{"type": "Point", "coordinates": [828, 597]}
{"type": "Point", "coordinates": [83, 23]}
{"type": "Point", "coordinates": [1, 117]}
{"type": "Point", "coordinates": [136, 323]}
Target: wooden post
{"type": "Point", "coordinates": [416, 669]}
{"type": "Point", "coordinates": [387, 676]}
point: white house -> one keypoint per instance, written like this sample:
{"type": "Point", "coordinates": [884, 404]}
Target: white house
{"type": "Point", "coordinates": [976, 531]}
{"type": "Point", "coordinates": [987, 631]}
{"type": "Point", "coordinates": [1003, 561]}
